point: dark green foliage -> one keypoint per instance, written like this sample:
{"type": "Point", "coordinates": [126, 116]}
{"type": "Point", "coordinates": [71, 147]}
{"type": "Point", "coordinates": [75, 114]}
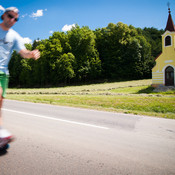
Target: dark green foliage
{"type": "Point", "coordinates": [117, 51]}
{"type": "Point", "coordinates": [153, 36]}
{"type": "Point", "coordinates": [125, 54]}
{"type": "Point", "coordinates": [87, 63]}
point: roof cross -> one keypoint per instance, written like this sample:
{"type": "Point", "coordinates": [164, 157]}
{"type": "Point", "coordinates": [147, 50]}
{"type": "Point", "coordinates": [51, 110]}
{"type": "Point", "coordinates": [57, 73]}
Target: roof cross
{"type": "Point", "coordinates": [168, 4]}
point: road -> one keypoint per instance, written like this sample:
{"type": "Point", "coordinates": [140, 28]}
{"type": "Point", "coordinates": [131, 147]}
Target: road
{"type": "Point", "coordinates": [56, 140]}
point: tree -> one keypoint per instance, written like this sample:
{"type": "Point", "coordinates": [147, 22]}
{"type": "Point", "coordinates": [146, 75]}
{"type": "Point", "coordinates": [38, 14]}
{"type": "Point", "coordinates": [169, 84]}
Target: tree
{"type": "Point", "coordinates": [83, 47]}
{"type": "Point", "coordinates": [153, 36]}
{"type": "Point", "coordinates": [117, 51]}
{"type": "Point", "coordinates": [65, 68]}
{"type": "Point", "coordinates": [136, 58]}
{"type": "Point", "coordinates": [112, 43]}
{"type": "Point", "coordinates": [48, 66]}
{"type": "Point", "coordinates": [123, 52]}
{"type": "Point", "coordinates": [15, 68]}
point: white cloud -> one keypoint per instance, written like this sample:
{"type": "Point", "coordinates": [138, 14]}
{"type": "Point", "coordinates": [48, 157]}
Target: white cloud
{"type": "Point", "coordinates": [2, 8]}
{"type": "Point", "coordinates": [51, 31]}
{"type": "Point", "coordinates": [67, 27]}
{"type": "Point", "coordinates": [27, 40]}
{"type": "Point", "coordinates": [38, 13]}
{"type": "Point", "coordinates": [23, 16]}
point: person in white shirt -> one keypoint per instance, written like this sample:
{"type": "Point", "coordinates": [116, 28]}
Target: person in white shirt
{"type": "Point", "coordinates": [10, 40]}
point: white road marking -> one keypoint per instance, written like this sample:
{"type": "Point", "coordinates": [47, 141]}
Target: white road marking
{"type": "Point", "coordinates": [56, 119]}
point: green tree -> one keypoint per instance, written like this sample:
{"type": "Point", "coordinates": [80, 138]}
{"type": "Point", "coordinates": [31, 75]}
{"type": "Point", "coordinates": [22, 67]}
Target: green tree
{"type": "Point", "coordinates": [153, 36]}
{"type": "Point", "coordinates": [25, 77]}
{"type": "Point", "coordinates": [48, 67]}
{"type": "Point", "coordinates": [112, 43]}
{"type": "Point", "coordinates": [137, 58]}
{"type": "Point", "coordinates": [15, 68]}
{"type": "Point", "coordinates": [65, 68]}
{"type": "Point", "coordinates": [124, 53]}
{"type": "Point", "coordinates": [83, 47]}
{"type": "Point", "coordinates": [117, 51]}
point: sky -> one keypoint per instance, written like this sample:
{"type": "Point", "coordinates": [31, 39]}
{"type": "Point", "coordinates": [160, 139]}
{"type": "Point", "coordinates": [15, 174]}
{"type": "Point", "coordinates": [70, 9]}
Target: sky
{"type": "Point", "coordinates": [40, 18]}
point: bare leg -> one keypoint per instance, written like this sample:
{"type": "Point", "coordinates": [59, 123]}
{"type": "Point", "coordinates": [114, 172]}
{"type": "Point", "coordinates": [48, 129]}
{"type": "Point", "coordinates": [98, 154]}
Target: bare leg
{"type": "Point", "coordinates": [5, 136]}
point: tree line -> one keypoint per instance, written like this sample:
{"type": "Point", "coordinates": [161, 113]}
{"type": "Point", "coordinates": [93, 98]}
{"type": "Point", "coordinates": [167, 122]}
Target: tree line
{"type": "Point", "coordinates": [116, 52]}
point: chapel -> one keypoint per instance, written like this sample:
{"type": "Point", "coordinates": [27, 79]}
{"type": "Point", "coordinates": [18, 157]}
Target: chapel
{"type": "Point", "coordinates": [163, 73]}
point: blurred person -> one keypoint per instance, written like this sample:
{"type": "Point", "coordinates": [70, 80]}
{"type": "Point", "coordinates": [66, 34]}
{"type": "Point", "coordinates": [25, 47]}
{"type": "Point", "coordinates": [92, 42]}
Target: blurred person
{"type": "Point", "coordinates": [9, 40]}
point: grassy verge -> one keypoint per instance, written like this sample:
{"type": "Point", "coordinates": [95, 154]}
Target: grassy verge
{"type": "Point", "coordinates": [136, 97]}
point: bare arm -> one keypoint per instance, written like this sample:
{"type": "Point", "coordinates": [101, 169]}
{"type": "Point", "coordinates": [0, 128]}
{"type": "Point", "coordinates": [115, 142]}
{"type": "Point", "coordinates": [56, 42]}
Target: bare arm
{"type": "Point", "coordinates": [35, 54]}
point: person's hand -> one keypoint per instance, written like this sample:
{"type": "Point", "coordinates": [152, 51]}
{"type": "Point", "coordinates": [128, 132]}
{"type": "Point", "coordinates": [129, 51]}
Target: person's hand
{"type": "Point", "coordinates": [35, 54]}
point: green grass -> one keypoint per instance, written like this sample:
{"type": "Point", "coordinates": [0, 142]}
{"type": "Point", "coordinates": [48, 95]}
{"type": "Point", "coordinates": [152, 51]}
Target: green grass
{"type": "Point", "coordinates": [133, 90]}
{"type": "Point", "coordinates": [136, 97]}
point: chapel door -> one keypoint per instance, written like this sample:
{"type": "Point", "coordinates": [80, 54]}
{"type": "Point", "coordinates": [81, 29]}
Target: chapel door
{"type": "Point", "coordinates": [169, 76]}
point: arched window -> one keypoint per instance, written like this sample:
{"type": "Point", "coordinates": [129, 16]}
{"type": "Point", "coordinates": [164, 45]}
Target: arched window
{"type": "Point", "coordinates": [167, 41]}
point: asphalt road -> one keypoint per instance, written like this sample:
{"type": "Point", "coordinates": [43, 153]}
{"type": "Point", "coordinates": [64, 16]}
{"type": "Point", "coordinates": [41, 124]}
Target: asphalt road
{"type": "Point", "coordinates": [55, 140]}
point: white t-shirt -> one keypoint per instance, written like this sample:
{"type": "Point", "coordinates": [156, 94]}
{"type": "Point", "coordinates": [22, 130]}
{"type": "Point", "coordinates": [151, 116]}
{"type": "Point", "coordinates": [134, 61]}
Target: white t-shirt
{"type": "Point", "coordinates": [9, 40]}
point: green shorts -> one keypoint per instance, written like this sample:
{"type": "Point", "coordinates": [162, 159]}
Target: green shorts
{"type": "Point", "coordinates": [4, 79]}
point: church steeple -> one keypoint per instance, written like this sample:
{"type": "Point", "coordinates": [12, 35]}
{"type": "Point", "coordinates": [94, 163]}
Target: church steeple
{"type": "Point", "coordinates": [170, 24]}
{"type": "Point", "coordinates": [163, 73]}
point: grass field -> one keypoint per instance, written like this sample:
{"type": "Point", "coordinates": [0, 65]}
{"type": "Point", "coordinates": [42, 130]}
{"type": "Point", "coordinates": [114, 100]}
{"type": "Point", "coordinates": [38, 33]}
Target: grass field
{"type": "Point", "coordinates": [136, 97]}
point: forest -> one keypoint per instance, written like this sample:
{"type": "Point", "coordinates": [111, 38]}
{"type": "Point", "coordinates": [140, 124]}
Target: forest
{"type": "Point", "coordinates": [114, 53]}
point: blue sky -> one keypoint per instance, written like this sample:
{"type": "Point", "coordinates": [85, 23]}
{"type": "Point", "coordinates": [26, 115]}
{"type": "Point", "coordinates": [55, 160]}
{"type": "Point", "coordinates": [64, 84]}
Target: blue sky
{"type": "Point", "coordinates": [39, 18]}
